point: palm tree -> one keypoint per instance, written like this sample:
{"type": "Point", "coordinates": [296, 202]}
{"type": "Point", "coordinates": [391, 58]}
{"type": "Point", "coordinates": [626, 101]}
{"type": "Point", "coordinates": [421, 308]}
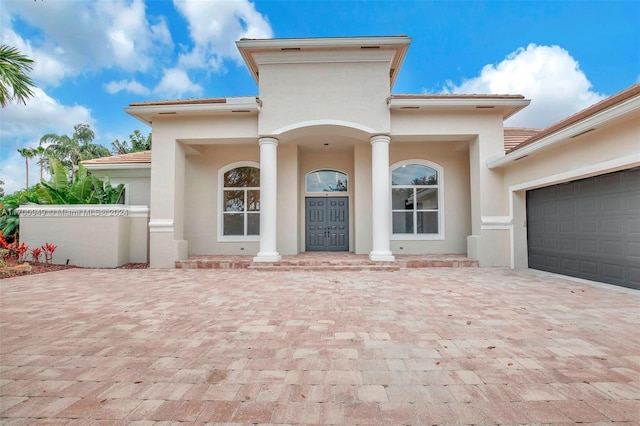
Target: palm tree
{"type": "Point", "coordinates": [138, 142]}
{"type": "Point", "coordinates": [14, 81]}
{"type": "Point", "coordinates": [43, 158]}
{"type": "Point", "coordinates": [27, 153]}
{"type": "Point", "coordinates": [70, 151]}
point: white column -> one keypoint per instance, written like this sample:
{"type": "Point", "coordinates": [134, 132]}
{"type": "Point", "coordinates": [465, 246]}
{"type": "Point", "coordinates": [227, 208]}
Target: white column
{"type": "Point", "coordinates": [268, 201]}
{"type": "Point", "coordinates": [380, 199]}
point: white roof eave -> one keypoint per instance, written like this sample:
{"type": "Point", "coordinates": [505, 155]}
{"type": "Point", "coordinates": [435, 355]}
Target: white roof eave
{"type": "Point", "coordinates": [508, 106]}
{"type": "Point", "coordinates": [574, 130]}
{"type": "Point", "coordinates": [145, 113]}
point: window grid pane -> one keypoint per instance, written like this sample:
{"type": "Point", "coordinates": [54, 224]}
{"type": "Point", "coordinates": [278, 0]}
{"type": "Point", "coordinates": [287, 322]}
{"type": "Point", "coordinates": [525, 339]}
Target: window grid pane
{"type": "Point", "coordinates": [241, 202]}
{"type": "Point", "coordinates": [415, 200]}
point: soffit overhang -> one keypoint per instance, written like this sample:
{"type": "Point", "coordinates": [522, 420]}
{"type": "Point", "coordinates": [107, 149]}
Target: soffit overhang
{"type": "Point", "coordinates": [340, 49]}
{"type": "Point", "coordinates": [506, 105]}
{"type": "Point", "coordinates": [148, 111]}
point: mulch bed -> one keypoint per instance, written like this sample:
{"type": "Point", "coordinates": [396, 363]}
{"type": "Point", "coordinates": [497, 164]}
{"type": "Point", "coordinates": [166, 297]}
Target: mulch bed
{"type": "Point", "coordinates": [14, 269]}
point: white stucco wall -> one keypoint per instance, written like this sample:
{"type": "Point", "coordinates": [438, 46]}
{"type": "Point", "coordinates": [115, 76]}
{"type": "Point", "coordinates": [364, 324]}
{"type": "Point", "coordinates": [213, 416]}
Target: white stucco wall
{"type": "Point", "coordinates": [453, 157]}
{"type": "Point", "coordinates": [201, 194]}
{"type": "Point", "coordinates": [288, 227]}
{"type": "Point", "coordinates": [488, 202]}
{"type": "Point", "coordinates": [95, 236]}
{"type": "Point", "coordinates": [345, 91]}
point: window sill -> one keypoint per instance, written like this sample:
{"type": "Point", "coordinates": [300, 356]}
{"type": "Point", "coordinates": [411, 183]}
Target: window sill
{"type": "Point", "coordinates": [238, 239]}
{"type": "Point", "coordinates": [417, 237]}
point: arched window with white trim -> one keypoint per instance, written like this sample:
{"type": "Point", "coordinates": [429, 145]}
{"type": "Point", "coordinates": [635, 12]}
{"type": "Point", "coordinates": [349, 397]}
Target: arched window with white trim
{"type": "Point", "coordinates": [417, 200]}
{"type": "Point", "coordinates": [239, 202]}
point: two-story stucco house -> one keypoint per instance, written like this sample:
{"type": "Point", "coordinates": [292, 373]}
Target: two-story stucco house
{"type": "Point", "coordinates": [327, 158]}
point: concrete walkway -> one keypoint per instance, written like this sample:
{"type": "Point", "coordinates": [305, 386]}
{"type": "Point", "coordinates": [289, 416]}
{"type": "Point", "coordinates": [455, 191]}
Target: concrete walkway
{"type": "Point", "coordinates": [422, 346]}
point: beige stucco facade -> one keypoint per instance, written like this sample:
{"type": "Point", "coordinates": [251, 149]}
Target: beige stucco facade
{"type": "Point", "coordinates": [327, 104]}
{"type": "Point", "coordinates": [611, 147]}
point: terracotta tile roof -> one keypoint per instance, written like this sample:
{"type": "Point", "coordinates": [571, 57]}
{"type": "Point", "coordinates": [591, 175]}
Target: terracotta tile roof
{"type": "Point", "coordinates": [196, 101]}
{"type": "Point", "coordinates": [514, 136]}
{"type": "Point", "coordinates": [594, 109]}
{"type": "Point", "coordinates": [142, 157]}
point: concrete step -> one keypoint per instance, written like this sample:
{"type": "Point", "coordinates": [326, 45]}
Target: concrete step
{"type": "Point", "coordinates": [326, 267]}
{"type": "Point", "coordinates": [323, 262]}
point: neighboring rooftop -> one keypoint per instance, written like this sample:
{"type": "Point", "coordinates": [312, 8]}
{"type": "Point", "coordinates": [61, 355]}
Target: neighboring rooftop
{"type": "Point", "coordinates": [514, 136]}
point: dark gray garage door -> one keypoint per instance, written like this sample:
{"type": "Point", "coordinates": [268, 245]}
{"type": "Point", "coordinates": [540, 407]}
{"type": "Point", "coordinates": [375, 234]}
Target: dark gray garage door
{"type": "Point", "coordinates": [589, 228]}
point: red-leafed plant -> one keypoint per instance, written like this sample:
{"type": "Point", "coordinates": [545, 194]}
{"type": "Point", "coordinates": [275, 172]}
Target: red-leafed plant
{"type": "Point", "coordinates": [35, 254]}
{"type": "Point", "coordinates": [48, 252]}
{"type": "Point", "coordinates": [8, 249]}
{"type": "Point", "coordinates": [21, 251]}
{"type": "Point", "coordinates": [12, 250]}
{"type": "Point", "coordinates": [3, 242]}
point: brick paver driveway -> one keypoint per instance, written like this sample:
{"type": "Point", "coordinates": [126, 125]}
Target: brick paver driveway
{"type": "Point", "coordinates": [447, 346]}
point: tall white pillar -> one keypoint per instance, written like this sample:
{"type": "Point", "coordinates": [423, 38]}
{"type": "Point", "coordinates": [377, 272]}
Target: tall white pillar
{"type": "Point", "coordinates": [380, 199]}
{"type": "Point", "coordinates": [268, 201]}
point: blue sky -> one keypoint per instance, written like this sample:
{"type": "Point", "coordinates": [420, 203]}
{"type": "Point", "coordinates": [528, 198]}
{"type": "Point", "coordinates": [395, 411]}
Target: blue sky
{"type": "Point", "coordinates": [94, 58]}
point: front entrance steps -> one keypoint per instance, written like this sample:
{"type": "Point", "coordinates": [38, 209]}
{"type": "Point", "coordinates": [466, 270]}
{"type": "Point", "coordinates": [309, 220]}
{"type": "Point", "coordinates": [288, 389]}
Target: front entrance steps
{"type": "Point", "coordinates": [334, 261]}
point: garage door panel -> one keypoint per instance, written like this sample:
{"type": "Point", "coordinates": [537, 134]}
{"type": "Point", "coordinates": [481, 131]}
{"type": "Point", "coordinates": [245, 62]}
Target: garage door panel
{"type": "Point", "coordinates": [569, 265]}
{"type": "Point", "coordinates": [632, 179]}
{"type": "Point", "coordinates": [588, 228]}
{"type": "Point", "coordinates": [611, 204]}
{"type": "Point", "coordinates": [612, 226]}
{"type": "Point", "coordinates": [633, 226]}
{"type": "Point", "coordinates": [586, 186]}
{"type": "Point", "coordinates": [569, 245]}
{"type": "Point", "coordinates": [568, 208]}
{"type": "Point", "coordinates": [588, 206]}
{"type": "Point", "coordinates": [553, 262]}
{"type": "Point", "coordinates": [613, 271]}
{"type": "Point", "coordinates": [588, 247]}
{"type": "Point", "coordinates": [632, 203]}
{"type": "Point", "coordinates": [552, 243]}
{"type": "Point", "coordinates": [568, 226]}
{"type": "Point", "coordinates": [612, 248]}
{"type": "Point", "coordinates": [608, 183]}
{"type": "Point", "coordinates": [588, 267]}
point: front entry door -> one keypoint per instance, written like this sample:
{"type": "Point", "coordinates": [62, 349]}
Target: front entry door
{"type": "Point", "coordinates": [327, 223]}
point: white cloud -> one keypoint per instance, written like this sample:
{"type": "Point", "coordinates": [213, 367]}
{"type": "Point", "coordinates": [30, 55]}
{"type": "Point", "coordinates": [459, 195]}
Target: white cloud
{"type": "Point", "coordinates": [548, 75]}
{"type": "Point", "coordinates": [132, 86]}
{"type": "Point", "coordinates": [13, 172]}
{"type": "Point", "coordinates": [41, 115]}
{"type": "Point", "coordinates": [176, 83]}
{"type": "Point", "coordinates": [214, 27]}
{"type": "Point", "coordinates": [24, 125]}
{"type": "Point", "coordinates": [80, 36]}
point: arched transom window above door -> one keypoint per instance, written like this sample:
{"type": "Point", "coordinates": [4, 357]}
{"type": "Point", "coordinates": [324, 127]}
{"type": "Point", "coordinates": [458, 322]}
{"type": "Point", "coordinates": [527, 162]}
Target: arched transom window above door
{"type": "Point", "coordinates": [417, 200]}
{"type": "Point", "coordinates": [239, 217]}
{"type": "Point", "coordinates": [326, 181]}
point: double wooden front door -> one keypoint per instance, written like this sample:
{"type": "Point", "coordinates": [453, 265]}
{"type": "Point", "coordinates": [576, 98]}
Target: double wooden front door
{"type": "Point", "coordinates": [327, 223]}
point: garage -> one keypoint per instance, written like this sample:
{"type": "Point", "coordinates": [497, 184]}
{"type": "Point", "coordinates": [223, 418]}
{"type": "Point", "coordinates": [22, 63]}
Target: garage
{"type": "Point", "coordinates": [588, 228]}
